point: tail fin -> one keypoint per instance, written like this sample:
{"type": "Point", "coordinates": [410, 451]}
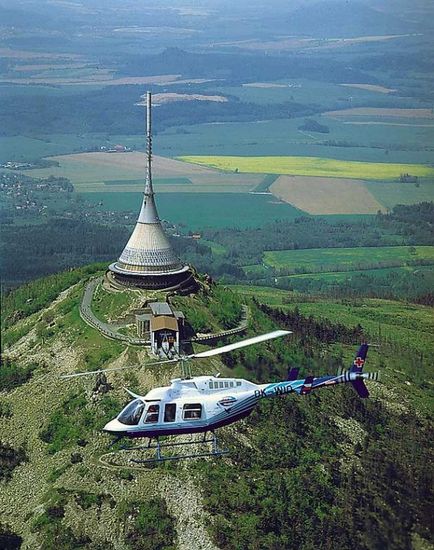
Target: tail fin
{"type": "Point", "coordinates": [359, 360]}
{"type": "Point", "coordinates": [359, 384]}
{"type": "Point", "coordinates": [357, 367]}
{"type": "Point", "coordinates": [360, 388]}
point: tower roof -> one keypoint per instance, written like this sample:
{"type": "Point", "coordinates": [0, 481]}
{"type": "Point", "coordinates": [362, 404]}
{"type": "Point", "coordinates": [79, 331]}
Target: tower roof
{"type": "Point", "coordinates": [148, 251]}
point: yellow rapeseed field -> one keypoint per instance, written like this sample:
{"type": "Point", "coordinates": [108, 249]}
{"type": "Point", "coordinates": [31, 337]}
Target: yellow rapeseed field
{"type": "Point", "coordinates": [312, 166]}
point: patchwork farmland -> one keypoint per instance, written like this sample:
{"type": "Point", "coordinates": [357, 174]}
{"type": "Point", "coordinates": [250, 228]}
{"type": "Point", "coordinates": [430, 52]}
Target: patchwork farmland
{"type": "Point", "coordinates": [124, 172]}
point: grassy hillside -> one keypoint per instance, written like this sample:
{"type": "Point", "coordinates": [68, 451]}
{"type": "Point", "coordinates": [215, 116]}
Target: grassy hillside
{"type": "Point", "coordinates": [407, 325]}
{"type": "Point", "coordinates": [290, 479]}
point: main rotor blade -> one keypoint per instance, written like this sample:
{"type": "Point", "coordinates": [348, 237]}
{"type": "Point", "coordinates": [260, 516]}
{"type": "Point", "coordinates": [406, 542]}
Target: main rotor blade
{"type": "Point", "coordinates": [242, 344]}
{"type": "Point", "coordinates": [87, 373]}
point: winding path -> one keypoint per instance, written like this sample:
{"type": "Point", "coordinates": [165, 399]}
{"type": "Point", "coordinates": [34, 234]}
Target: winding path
{"type": "Point", "coordinates": [241, 327]}
{"type": "Point", "coordinates": [107, 330]}
{"type": "Point", "coordinates": [110, 331]}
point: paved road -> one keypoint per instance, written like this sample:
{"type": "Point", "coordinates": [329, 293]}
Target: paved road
{"type": "Point", "coordinates": [109, 331]}
{"type": "Point", "coordinates": [215, 336]}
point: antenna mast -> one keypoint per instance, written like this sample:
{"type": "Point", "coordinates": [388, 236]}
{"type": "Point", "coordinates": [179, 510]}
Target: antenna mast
{"type": "Point", "coordinates": [148, 181]}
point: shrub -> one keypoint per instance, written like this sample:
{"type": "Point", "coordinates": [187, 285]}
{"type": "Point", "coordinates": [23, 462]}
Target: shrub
{"type": "Point", "coordinates": [10, 458]}
{"type": "Point", "coordinates": [152, 527]}
{"type": "Point", "coordinates": [8, 539]}
{"type": "Point", "coordinates": [12, 375]}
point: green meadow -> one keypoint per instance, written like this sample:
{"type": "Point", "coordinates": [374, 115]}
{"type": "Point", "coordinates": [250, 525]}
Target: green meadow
{"type": "Point", "coordinates": [345, 259]}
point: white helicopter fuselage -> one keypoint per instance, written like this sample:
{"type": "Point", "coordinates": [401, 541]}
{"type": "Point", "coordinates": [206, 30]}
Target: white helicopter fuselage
{"type": "Point", "coordinates": [199, 404]}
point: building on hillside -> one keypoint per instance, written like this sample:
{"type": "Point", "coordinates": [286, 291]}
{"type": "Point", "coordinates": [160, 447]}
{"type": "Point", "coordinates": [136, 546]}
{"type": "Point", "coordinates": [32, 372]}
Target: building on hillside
{"type": "Point", "coordinates": [148, 260]}
{"type": "Point", "coordinates": [164, 327]}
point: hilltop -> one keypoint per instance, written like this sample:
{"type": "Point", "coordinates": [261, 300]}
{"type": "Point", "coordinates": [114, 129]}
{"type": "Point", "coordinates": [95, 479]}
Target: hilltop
{"type": "Point", "coordinates": [327, 470]}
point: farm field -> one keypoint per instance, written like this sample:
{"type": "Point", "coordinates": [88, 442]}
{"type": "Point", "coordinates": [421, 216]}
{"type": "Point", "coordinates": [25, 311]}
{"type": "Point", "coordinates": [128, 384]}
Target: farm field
{"type": "Point", "coordinates": [296, 43]}
{"type": "Point", "coordinates": [344, 259]}
{"type": "Point", "coordinates": [200, 210]}
{"type": "Point", "coordinates": [391, 193]}
{"type": "Point", "coordinates": [28, 148]}
{"type": "Point", "coordinates": [379, 273]}
{"type": "Point", "coordinates": [371, 88]}
{"type": "Point", "coordinates": [90, 78]}
{"type": "Point", "coordinates": [326, 195]}
{"type": "Point", "coordinates": [91, 172]}
{"type": "Point", "coordinates": [405, 323]}
{"type": "Point", "coordinates": [329, 95]}
{"type": "Point", "coordinates": [311, 166]}
{"type": "Point", "coordinates": [371, 143]}
{"type": "Point", "coordinates": [382, 112]}
{"type": "Point", "coordinates": [156, 181]}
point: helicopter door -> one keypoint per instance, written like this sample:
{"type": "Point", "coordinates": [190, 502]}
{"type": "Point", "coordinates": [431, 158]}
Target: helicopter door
{"type": "Point", "coordinates": [152, 414]}
{"type": "Point", "coordinates": [170, 412]}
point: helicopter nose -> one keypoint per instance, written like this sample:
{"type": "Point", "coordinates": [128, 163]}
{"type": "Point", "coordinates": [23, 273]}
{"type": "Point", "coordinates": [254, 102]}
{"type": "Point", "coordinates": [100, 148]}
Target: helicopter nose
{"type": "Point", "coordinates": [114, 427]}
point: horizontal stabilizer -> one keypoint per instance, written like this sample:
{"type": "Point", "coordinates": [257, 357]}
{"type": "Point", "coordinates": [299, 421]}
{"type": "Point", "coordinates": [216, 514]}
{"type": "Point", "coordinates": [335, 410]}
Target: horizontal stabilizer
{"type": "Point", "coordinates": [360, 388]}
{"type": "Point", "coordinates": [293, 374]}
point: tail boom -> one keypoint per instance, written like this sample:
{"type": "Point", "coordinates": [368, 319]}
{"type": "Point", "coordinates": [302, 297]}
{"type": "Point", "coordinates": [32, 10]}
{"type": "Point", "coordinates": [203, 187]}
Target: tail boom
{"type": "Point", "coordinates": [355, 376]}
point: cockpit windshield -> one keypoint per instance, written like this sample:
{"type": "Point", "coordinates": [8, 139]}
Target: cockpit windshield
{"type": "Point", "coordinates": [132, 413]}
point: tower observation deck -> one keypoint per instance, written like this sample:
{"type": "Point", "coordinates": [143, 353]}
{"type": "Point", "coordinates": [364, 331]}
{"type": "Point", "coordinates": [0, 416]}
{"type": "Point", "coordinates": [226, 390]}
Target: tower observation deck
{"type": "Point", "coordinates": [148, 260]}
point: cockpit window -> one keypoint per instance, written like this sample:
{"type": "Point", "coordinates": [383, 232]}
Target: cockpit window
{"type": "Point", "coordinates": [132, 413]}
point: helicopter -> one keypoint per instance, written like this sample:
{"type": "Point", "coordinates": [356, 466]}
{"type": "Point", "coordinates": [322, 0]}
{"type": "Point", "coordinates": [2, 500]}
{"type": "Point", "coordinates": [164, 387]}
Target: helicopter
{"type": "Point", "coordinates": [202, 404]}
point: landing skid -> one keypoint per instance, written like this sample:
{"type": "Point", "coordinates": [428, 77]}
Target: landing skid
{"type": "Point", "coordinates": [160, 456]}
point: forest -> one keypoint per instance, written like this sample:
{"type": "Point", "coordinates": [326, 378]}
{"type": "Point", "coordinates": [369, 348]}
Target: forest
{"type": "Point", "coordinates": [404, 225]}
{"type": "Point", "coordinates": [112, 110]}
{"type": "Point", "coordinates": [31, 251]}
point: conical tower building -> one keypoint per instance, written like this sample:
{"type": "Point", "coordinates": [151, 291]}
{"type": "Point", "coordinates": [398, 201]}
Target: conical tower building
{"type": "Point", "coordinates": [148, 260]}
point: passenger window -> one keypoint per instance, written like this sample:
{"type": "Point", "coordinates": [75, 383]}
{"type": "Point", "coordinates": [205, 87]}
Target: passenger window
{"type": "Point", "coordinates": [238, 383]}
{"type": "Point", "coordinates": [211, 385]}
{"type": "Point", "coordinates": [152, 414]}
{"type": "Point", "coordinates": [226, 384]}
{"type": "Point", "coordinates": [192, 411]}
{"type": "Point", "coordinates": [170, 412]}
{"type": "Point", "coordinates": [231, 384]}
{"type": "Point", "coordinates": [221, 384]}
